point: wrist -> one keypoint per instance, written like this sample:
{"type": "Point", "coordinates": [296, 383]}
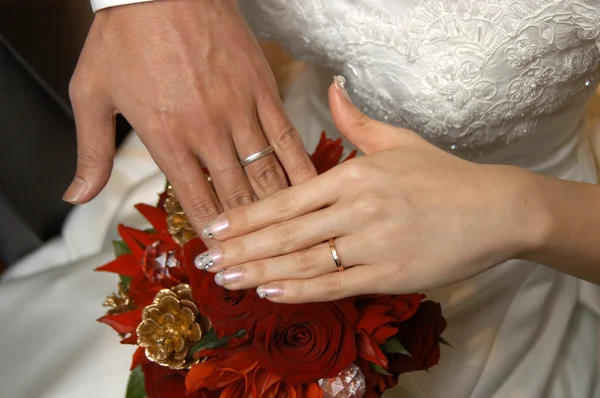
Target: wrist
{"type": "Point", "coordinates": [537, 219]}
{"type": "Point", "coordinates": [530, 221]}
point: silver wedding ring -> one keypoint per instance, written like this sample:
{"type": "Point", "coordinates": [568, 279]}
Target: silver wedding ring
{"type": "Point", "coordinates": [256, 156]}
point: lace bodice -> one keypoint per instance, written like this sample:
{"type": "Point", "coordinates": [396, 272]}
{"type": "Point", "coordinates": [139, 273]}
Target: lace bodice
{"type": "Point", "coordinates": [468, 75]}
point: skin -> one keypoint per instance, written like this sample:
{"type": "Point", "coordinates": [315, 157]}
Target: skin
{"type": "Point", "coordinates": [407, 217]}
{"type": "Point", "coordinates": [190, 78]}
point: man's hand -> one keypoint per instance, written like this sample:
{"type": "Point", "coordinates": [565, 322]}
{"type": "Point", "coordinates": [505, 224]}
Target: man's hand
{"type": "Point", "coordinates": [190, 78]}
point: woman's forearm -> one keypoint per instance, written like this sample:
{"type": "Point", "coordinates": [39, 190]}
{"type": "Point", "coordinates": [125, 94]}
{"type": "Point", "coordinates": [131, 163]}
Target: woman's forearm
{"type": "Point", "coordinates": [567, 215]}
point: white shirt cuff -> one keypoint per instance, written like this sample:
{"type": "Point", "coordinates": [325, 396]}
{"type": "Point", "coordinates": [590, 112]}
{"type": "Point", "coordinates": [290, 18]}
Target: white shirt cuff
{"type": "Point", "coordinates": [100, 4]}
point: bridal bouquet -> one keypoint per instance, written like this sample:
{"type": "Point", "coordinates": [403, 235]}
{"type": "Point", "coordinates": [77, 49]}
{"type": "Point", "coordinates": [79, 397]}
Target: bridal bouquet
{"type": "Point", "coordinates": [198, 339]}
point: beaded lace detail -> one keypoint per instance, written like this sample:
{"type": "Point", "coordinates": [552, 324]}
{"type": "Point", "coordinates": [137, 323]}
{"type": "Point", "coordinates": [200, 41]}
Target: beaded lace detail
{"type": "Point", "coordinates": [470, 74]}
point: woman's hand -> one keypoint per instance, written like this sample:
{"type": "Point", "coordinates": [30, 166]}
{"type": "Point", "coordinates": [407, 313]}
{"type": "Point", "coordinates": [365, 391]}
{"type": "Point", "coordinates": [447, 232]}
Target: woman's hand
{"type": "Point", "coordinates": [405, 218]}
{"type": "Point", "coordinates": [190, 78]}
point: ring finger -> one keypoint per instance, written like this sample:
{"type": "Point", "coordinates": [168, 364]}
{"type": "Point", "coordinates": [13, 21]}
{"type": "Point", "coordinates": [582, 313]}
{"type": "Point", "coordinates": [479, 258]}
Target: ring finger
{"type": "Point", "coordinates": [265, 174]}
{"type": "Point", "coordinates": [279, 239]}
{"type": "Point", "coordinates": [229, 180]}
{"type": "Point", "coordinates": [315, 261]}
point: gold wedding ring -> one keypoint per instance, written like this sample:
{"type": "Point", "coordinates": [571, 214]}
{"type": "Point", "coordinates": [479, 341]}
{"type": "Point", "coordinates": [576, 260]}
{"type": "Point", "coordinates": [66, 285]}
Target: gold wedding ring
{"type": "Point", "coordinates": [335, 256]}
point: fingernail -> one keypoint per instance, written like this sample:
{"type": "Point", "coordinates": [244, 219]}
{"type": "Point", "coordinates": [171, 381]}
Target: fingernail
{"type": "Point", "coordinates": [340, 84]}
{"type": "Point", "coordinates": [269, 291]}
{"type": "Point", "coordinates": [75, 190]}
{"type": "Point", "coordinates": [217, 227]}
{"type": "Point", "coordinates": [209, 259]}
{"type": "Point", "coordinates": [228, 276]}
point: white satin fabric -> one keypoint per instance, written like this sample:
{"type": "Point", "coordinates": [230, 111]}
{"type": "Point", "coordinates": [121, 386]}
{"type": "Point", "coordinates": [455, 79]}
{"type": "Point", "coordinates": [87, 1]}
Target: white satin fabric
{"type": "Point", "coordinates": [519, 330]}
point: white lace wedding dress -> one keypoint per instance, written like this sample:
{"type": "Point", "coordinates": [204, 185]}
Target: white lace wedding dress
{"type": "Point", "coordinates": [495, 81]}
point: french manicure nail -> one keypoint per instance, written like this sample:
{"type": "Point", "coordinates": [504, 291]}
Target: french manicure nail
{"type": "Point", "coordinates": [209, 259]}
{"type": "Point", "coordinates": [269, 291]}
{"type": "Point", "coordinates": [217, 227]}
{"type": "Point", "coordinates": [340, 84]}
{"type": "Point", "coordinates": [226, 277]}
{"type": "Point", "coordinates": [75, 190]}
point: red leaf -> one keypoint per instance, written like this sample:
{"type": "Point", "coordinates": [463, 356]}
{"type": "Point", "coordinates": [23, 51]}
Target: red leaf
{"type": "Point", "coordinates": [157, 217]}
{"type": "Point", "coordinates": [137, 250]}
{"type": "Point", "coordinates": [142, 290]}
{"type": "Point", "coordinates": [139, 357]}
{"type": "Point", "coordinates": [263, 381]}
{"type": "Point", "coordinates": [123, 265]}
{"type": "Point", "coordinates": [369, 350]}
{"type": "Point", "coordinates": [145, 239]}
{"type": "Point", "coordinates": [132, 339]}
{"type": "Point", "coordinates": [328, 154]}
{"type": "Point", "coordinates": [123, 323]}
{"type": "Point", "coordinates": [234, 390]}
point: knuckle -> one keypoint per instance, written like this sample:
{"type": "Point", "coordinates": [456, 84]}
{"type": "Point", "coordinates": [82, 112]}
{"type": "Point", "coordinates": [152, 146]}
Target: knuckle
{"type": "Point", "coordinates": [281, 203]}
{"type": "Point", "coordinates": [203, 209]}
{"type": "Point", "coordinates": [259, 271]}
{"type": "Point", "coordinates": [286, 137]}
{"type": "Point", "coordinates": [239, 218]}
{"type": "Point", "coordinates": [75, 89]}
{"type": "Point", "coordinates": [303, 291]}
{"type": "Point", "coordinates": [367, 206]}
{"type": "Point", "coordinates": [81, 91]}
{"type": "Point", "coordinates": [286, 234]}
{"type": "Point", "coordinates": [353, 171]}
{"type": "Point", "coordinates": [331, 285]}
{"type": "Point", "coordinates": [362, 121]}
{"type": "Point", "coordinates": [239, 198]}
{"type": "Point", "coordinates": [157, 123]}
{"type": "Point", "coordinates": [304, 261]}
{"type": "Point", "coordinates": [304, 170]}
{"type": "Point", "coordinates": [266, 175]}
{"type": "Point", "coordinates": [233, 249]}
{"type": "Point", "coordinates": [91, 157]}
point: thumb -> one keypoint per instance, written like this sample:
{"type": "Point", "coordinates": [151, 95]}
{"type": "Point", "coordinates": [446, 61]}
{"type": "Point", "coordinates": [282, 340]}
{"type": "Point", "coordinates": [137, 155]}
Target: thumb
{"type": "Point", "coordinates": [95, 150]}
{"type": "Point", "coordinates": [366, 134]}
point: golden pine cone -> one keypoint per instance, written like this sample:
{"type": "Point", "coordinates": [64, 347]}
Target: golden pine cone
{"type": "Point", "coordinates": [119, 302]}
{"type": "Point", "coordinates": [179, 226]}
{"type": "Point", "coordinates": [170, 326]}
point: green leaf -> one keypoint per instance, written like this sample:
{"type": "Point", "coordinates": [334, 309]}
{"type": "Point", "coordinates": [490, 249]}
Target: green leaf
{"type": "Point", "coordinates": [120, 248]}
{"type": "Point", "coordinates": [150, 231]}
{"type": "Point", "coordinates": [135, 387]}
{"type": "Point", "coordinates": [125, 280]}
{"type": "Point", "coordinates": [378, 369]}
{"type": "Point", "coordinates": [394, 346]}
{"type": "Point", "coordinates": [444, 342]}
{"type": "Point", "coordinates": [211, 341]}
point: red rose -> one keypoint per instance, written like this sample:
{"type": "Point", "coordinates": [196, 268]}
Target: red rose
{"type": "Point", "coordinates": [162, 382]}
{"type": "Point", "coordinates": [306, 342]}
{"type": "Point", "coordinates": [229, 311]}
{"type": "Point", "coordinates": [401, 306]}
{"type": "Point", "coordinates": [421, 336]}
